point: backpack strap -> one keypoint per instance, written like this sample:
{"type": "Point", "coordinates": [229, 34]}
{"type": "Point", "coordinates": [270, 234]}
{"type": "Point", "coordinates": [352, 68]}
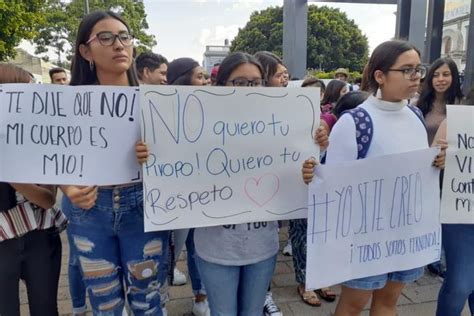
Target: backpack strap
{"type": "Point", "coordinates": [364, 130]}
{"type": "Point", "coordinates": [418, 113]}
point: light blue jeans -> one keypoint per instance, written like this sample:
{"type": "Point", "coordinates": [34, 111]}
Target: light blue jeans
{"type": "Point", "coordinates": [77, 289]}
{"type": "Point", "coordinates": [183, 236]}
{"type": "Point", "coordinates": [236, 290]}
{"type": "Point", "coordinates": [113, 249]}
{"type": "Point", "coordinates": [458, 284]}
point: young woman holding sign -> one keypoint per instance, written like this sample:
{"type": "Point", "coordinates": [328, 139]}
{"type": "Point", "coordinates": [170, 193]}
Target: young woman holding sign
{"type": "Point", "coordinates": [30, 247]}
{"type": "Point", "coordinates": [106, 223]}
{"type": "Point", "coordinates": [391, 77]}
{"type": "Point", "coordinates": [236, 262]}
{"type": "Point", "coordinates": [458, 245]}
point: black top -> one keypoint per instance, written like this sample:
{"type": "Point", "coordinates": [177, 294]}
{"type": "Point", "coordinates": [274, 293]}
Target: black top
{"type": "Point", "coordinates": [7, 197]}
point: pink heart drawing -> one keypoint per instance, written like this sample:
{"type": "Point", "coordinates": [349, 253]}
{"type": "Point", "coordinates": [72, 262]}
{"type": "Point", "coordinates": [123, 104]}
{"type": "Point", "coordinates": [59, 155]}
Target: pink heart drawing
{"type": "Point", "coordinates": [262, 190]}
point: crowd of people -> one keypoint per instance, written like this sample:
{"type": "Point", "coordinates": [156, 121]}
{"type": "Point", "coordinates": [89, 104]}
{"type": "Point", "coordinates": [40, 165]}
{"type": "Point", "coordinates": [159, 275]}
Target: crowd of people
{"type": "Point", "coordinates": [121, 266]}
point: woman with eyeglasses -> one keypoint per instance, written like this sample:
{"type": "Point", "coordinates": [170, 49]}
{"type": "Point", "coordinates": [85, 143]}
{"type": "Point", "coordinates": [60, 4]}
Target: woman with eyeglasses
{"type": "Point", "coordinates": [106, 224]}
{"type": "Point", "coordinates": [236, 262]}
{"type": "Point", "coordinates": [392, 76]}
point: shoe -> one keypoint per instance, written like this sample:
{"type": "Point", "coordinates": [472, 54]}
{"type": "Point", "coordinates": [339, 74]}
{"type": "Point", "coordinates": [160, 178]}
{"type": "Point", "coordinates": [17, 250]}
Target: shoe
{"type": "Point", "coordinates": [178, 277]}
{"type": "Point", "coordinates": [287, 250]}
{"type": "Point", "coordinates": [309, 297]}
{"type": "Point", "coordinates": [436, 269]}
{"type": "Point", "coordinates": [270, 308]}
{"type": "Point", "coordinates": [201, 308]}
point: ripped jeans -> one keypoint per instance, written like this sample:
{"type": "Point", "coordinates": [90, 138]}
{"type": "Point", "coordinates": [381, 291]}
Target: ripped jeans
{"type": "Point", "coordinates": [114, 250]}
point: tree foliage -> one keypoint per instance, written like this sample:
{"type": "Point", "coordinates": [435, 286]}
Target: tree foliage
{"type": "Point", "coordinates": [18, 20]}
{"type": "Point", "coordinates": [61, 21]}
{"type": "Point", "coordinates": [333, 39]}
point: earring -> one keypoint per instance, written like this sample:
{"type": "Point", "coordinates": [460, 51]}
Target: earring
{"type": "Point", "coordinates": [378, 94]}
{"type": "Point", "coordinates": [91, 65]}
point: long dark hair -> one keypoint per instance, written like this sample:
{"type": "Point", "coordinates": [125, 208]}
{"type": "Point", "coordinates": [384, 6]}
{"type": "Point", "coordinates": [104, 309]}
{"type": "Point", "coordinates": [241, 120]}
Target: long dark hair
{"type": "Point", "coordinates": [269, 62]}
{"type": "Point", "coordinates": [81, 73]}
{"type": "Point", "coordinates": [349, 101]}
{"type": "Point", "coordinates": [333, 91]}
{"type": "Point", "coordinates": [231, 62]}
{"type": "Point", "coordinates": [428, 93]}
{"type": "Point", "coordinates": [383, 58]}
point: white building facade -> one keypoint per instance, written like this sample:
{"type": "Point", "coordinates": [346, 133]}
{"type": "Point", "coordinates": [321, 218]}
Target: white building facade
{"type": "Point", "coordinates": [455, 31]}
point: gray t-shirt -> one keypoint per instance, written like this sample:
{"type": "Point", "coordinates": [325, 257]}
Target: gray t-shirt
{"type": "Point", "coordinates": [237, 245]}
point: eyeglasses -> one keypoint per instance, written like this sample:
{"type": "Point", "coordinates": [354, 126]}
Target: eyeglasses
{"type": "Point", "coordinates": [243, 82]}
{"type": "Point", "coordinates": [107, 38]}
{"type": "Point", "coordinates": [410, 73]}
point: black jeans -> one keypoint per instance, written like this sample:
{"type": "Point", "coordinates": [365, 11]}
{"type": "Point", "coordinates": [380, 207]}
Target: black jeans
{"type": "Point", "coordinates": [36, 259]}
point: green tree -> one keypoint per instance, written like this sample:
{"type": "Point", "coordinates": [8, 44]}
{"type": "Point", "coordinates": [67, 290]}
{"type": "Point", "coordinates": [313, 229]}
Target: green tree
{"type": "Point", "coordinates": [333, 39]}
{"type": "Point", "coordinates": [58, 32]}
{"type": "Point", "coordinates": [18, 20]}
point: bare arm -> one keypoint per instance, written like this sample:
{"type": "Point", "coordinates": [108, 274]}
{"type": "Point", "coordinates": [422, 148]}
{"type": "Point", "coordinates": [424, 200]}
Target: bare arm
{"type": "Point", "coordinates": [43, 196]}
{"type": "Point", "coordinates": [440, 140]}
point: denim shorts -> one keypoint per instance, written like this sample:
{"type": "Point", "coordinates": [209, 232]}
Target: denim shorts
{"type": "Point", "coordinates": [379, 281]}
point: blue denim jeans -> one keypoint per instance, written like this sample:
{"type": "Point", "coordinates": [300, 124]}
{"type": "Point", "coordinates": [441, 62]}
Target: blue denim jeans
{"type": "Point", "coordinates": [458, 284]}
{"type": "Point", "coordinates": [187, 236]}
{"type": "Point", "coordinates": [114, 250]}
{"type": "Point", "coordinates": [77, 289]}
{"type": "Point", "coordinates": [236, 290]}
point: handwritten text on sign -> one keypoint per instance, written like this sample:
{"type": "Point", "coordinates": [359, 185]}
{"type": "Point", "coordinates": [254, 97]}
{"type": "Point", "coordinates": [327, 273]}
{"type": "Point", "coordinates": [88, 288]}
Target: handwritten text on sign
{"type": "Point", "coordinates": [226, 155]}
{"type": "Point", "coordinates": [68, 135]}
{"type": "Point", "coordinates": [366, 219]}
{"type": "Point", "coordinates": [458, 186]}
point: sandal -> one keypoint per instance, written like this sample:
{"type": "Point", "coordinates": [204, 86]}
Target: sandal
{"type": "Point", "coordinates": [309, 297]}
{"type": "Point", "coordinates": [326, 294]}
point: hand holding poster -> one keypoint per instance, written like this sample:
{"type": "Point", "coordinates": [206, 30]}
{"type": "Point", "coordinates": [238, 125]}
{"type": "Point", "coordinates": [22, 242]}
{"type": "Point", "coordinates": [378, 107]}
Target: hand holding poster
{"type": "Point", "coordinates": [457, 204]}
{"type": "Point", "coordinates": [366, 219]}
{"type": "Point", "coordinates": [55, 134]}
{"type": "Point", "coordinates": [222, 155]}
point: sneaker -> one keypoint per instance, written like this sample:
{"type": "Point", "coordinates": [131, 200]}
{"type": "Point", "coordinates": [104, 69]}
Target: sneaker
{"type": "Point", "coordinates": [201, 308]}
{"type": "Point", "coordinates": [287, 250]}
{"type": "Point", "coordinates": [270, 308]}
{"type": "Point", "coordinates": [178, 277]}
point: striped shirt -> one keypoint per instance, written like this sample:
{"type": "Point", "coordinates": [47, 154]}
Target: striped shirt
{"type": "Point", "coordinates": [26, 217]}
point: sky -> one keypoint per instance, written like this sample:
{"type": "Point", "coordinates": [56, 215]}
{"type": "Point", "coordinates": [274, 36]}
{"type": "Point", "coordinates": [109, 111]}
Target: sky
{"type": "Point", "coordinates": [183, 28]}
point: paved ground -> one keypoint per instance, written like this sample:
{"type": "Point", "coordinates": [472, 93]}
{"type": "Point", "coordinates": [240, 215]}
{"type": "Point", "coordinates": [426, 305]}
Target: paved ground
{"type": "Point", "coordinates": [418, 299]}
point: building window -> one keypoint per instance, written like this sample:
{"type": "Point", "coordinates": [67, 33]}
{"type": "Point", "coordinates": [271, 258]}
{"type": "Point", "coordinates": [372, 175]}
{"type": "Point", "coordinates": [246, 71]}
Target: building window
{"type": "Point", "coordinates": [447, 45]}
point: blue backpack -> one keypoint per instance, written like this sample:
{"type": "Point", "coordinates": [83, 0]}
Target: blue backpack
{"type": "Point", "coordinates": [365, 127]}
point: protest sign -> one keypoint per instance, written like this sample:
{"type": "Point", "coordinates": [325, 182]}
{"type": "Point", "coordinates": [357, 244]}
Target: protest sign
{"type": "Point", "coordinates": [225, 155]}
{"type": "Point", "coordinates": [55, 134]}
{"type": "Point", "coordinates": [367, 219]}
{"type": "Point", "coordinates": [457, 204]}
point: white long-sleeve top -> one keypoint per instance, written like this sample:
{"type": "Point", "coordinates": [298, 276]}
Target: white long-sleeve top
{"type": "Point", "coordinates": [396, 129]}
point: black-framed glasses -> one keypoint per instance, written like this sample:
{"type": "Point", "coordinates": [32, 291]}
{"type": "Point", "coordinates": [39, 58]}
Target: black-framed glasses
{"type": "Point", "coordinates": [244, 82]}
{"type": "Point", "coordinates": [107, 38]}
{"type": "Point", "coordinates": [410, 73]}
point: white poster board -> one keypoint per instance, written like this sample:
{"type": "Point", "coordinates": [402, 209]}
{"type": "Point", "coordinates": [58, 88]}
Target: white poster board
{"type": "Point", "coordinates": [221, 155]}
{"type": "Point", "coordinates": [55, 134]}
{"type": "Point", "coordinates": [457, 204]}
{"type": "Point", "coordinates": [366, 219]}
